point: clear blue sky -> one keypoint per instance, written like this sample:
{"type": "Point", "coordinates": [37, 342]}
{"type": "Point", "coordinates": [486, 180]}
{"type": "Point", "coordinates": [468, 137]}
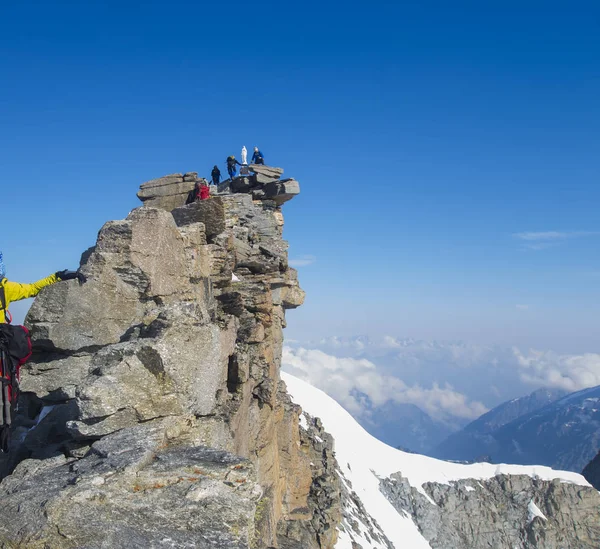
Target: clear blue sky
{"type": "Point", "coordinates": [425, 135]}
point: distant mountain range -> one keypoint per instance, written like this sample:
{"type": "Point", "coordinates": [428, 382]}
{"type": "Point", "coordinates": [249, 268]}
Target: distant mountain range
{"type": "Point", "coordinates": [545, 428]}
{"type": "Point", "coordinates": [406, 426]}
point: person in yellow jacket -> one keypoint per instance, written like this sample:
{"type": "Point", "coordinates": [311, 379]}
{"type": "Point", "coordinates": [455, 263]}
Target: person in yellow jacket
{"type": "Point", "coordinates": [15, 291]}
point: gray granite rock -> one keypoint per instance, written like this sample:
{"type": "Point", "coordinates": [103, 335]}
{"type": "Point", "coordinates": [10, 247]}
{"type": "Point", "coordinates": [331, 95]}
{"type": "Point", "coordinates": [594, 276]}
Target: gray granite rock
{"type": "Point", "coordinates": [281, 191]}
{"type": "Point", "coordinates": [267, 171]}
{"type": "Point", "coordinates": [151, 414]}
{"type": "Point", "coordinates": [167, 192]}
{"type": "Point", "coordinates": [136, 488]}
{"type": "Point", "coordinates": [496, 513]}
{"type": "Point", "coordinates": [208, 212]}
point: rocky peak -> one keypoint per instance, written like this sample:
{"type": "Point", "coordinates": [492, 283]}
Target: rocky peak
{"type": "Point", "coordinates": [261, 182]}
{"type": "Point", "coordinates": [157, 382]}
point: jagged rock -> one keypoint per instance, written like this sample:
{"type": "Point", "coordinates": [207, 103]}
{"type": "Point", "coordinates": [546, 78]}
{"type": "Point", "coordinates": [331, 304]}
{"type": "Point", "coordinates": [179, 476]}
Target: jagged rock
{"type": "Point", "coordinates": [190, 176]}
{"type": "Point", "coordinates": [493, 513]}
{"type": "Point", "coordinates": [209, 212]}
{"type": "Point", "coordinates": [313, 527]}
{"type": "Point", "coordinates": [167, 192]}
{"type": "Point", "coordinates": [267, 171]}
{"type": "Point", "coordinates": [161, 181]}
{"type": "Point", "coordinates": [135, 262]}
{"type": "Point", "coordinates": [282, 191]}
{"type": "Point", "coordinates": [167, 357]}
{"type": "Point", "coordinates": [264, 174]}
{"type": "Point", "coordinates": [224, 187]}
{"type": "Point", "coordinates": [241, 184]}
{"type": "Point", "coordinates": [139, 487]}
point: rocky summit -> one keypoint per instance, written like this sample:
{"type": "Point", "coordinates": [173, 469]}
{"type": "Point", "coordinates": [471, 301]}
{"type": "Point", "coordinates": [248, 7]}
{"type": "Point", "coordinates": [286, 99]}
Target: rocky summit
{"type": "Point", "coordinates": [153, 414]}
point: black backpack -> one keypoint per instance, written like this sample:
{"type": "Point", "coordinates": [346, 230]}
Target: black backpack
{"type": "Point", "coordinates": [15, 349]}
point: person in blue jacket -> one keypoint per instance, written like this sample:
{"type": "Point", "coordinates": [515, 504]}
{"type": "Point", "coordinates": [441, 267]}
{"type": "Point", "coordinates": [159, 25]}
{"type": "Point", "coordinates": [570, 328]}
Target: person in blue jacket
{"type": "Point", "coordinates": [231, 166]}
{"type": "Point", "coordinates": [257, 157]}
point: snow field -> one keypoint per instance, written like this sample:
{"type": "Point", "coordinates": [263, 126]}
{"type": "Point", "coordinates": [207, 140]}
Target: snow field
{"type": "Point", "coordinates": [364, 460]}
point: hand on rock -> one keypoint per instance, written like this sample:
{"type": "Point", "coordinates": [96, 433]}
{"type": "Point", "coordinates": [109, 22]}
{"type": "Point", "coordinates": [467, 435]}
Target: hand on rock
{"type": "Point", "coordinates": [71, 275]}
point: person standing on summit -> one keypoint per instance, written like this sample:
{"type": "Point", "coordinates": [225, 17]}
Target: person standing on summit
{"type": "Point", "coordinates": [215, 175]}
{"type": "Point", "coordinates": [231, 166]}
{"type": "Point", "coordinates": [15, 291]}
{"type": "Point", "coordinates": [257, 157]}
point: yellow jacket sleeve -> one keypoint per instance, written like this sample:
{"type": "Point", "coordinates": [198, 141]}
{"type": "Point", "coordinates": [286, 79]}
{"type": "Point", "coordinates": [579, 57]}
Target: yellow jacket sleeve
{"type": "Point", "coordinates": [14, 291]}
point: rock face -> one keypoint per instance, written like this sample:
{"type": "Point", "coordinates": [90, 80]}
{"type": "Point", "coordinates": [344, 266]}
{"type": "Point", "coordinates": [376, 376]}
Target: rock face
{"type": "Point", "coordinates": [169, 191]}
{"type": "Point", "coordinates": [504, 511]}
{"type": "Point", "coordinates": [152, 413]}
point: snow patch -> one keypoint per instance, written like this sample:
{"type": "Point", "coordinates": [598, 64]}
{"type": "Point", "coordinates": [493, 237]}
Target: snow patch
{"type": "Point", "coordinates": [469, 489]}
{"type": "Point", "coordinates": [534, 511]}
{"type": "Point", "coordinates": [303, 422]}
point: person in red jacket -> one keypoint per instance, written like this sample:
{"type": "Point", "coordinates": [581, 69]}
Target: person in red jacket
{"type": "Point", "coordinates": [201, 191]}
{"type": "Point", "coordinates": [204, 191]}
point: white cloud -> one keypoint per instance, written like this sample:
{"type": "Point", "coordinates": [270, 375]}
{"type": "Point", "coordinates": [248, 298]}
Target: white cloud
{"type": "Point", "coordinates": [568, 372]}
{"type": "Point", "coordinates": [545, 239]}
{"type": "Point", "coordinates": [303, 261]}
{"type": "Point", "coordinates": [439, 377]}
{"type": "Point", "coordinates": [347, 380]}
{"type": "Point", "coordinates": [544, 235]}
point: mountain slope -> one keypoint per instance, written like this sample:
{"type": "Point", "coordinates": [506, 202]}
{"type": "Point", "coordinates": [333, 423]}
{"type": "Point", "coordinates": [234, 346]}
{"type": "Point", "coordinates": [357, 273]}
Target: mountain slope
{"type": "Point", "coordinates": [476, 439]}
{"type": "Point", "coordinates": [396, 500]}
{"type": "Point", "coordinates": [592, 472]}
{"type": "Point", "coordinates": [405, 425]}
{"type": "Point", "coordinates": [564, 434]}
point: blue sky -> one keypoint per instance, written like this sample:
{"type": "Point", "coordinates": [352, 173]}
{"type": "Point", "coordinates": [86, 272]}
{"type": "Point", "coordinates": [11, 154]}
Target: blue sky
{"type": "Point", "coordinates": [447, 152]}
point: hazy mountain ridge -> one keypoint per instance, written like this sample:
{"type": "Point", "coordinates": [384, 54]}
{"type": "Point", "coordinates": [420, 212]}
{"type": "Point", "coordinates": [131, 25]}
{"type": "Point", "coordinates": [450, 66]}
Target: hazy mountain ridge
{"type": "Point", "coordinates": [564, 433]}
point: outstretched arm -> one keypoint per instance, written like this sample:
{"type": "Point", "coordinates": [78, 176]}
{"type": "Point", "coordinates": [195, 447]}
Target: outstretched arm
{"type": "Point", "coordinates": [16, 291]}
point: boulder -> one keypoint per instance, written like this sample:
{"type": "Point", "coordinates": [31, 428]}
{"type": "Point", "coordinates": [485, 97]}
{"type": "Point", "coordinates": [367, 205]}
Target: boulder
{"type": "Point", "coordinates": [161, 181]}
{"type": "Point", "coordinates": [209, 212]}
{"type": "Point", "coordinates": [281, 191]}
{"type": "Point", "coordinates": [167, 192]}
{"type": "Point", "coordinates": [134, 262]}
{"type": "Point", "coordinates": [266, 171]}
{"type": "Point", "coordinates": [190, 176]}
{"type": "Point", "coordinates": [241, 184]}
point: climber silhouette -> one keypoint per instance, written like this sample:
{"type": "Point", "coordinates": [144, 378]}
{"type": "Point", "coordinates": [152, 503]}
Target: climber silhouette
{"type": "Point", "coordinates": [215, 175]}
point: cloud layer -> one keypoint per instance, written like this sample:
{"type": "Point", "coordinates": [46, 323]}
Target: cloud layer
{"type": "Point", "coordinates": [569, 372]}
{"type": "Point", "coordinates": [445, 379]}
{"type": "Point", "coordinates": [350, 380]}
